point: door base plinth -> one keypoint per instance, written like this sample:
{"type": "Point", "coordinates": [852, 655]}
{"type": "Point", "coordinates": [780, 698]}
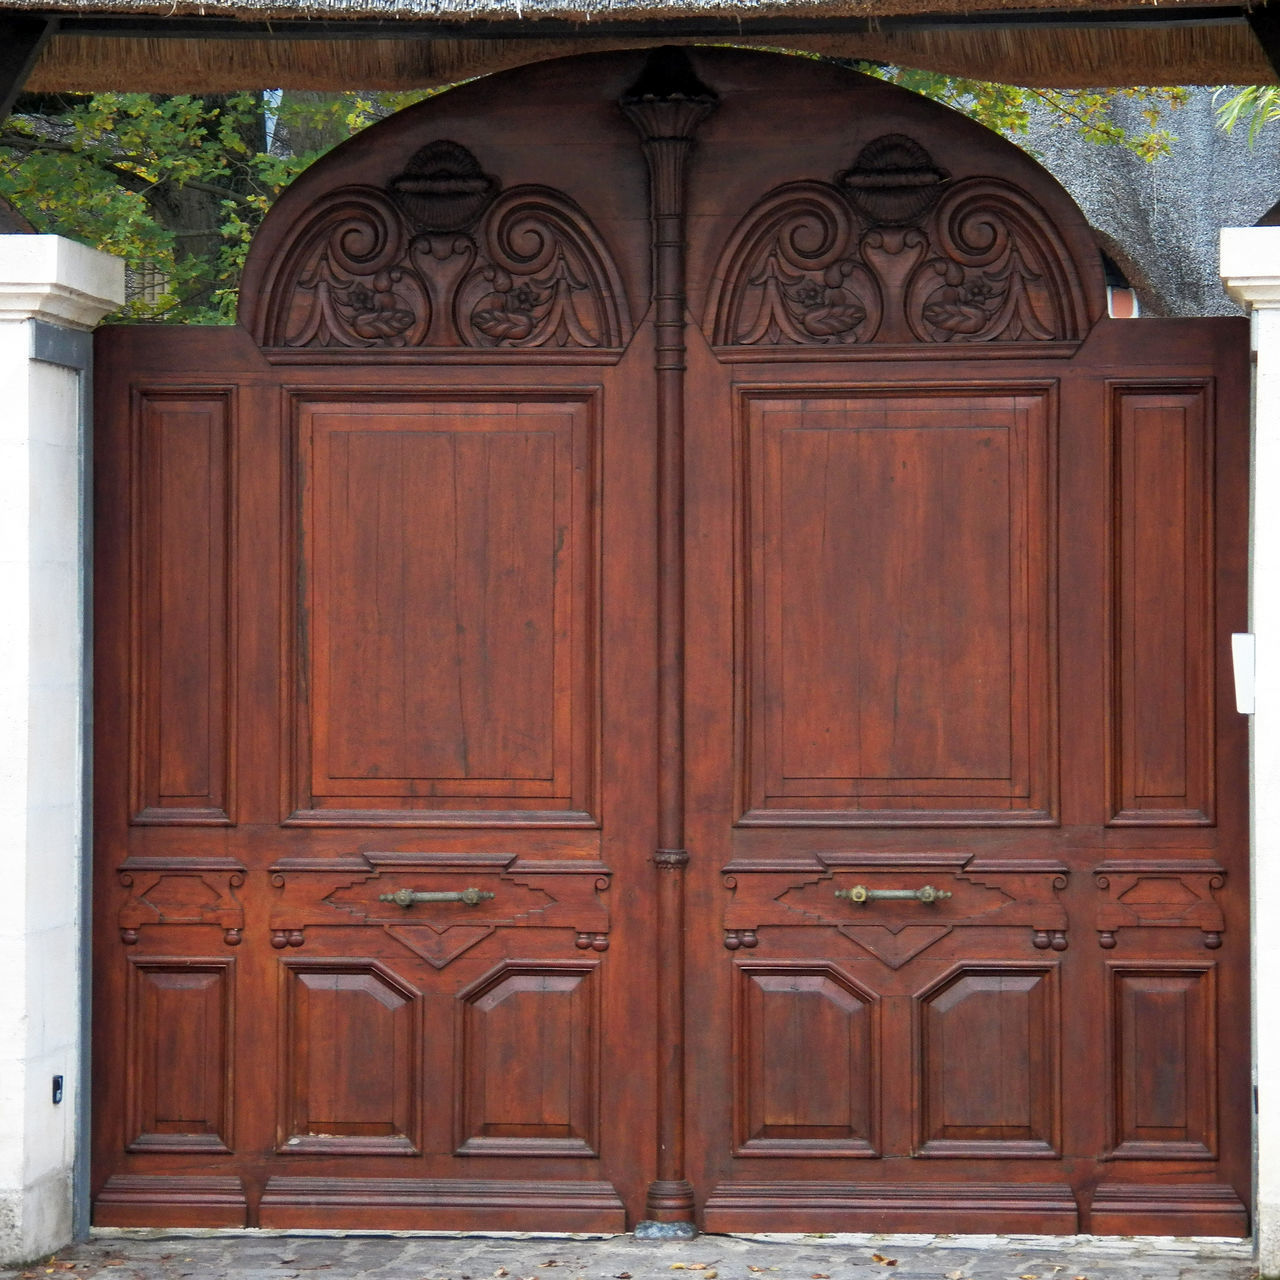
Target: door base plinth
{"type": "Point", "coordinates": [833, 1206]}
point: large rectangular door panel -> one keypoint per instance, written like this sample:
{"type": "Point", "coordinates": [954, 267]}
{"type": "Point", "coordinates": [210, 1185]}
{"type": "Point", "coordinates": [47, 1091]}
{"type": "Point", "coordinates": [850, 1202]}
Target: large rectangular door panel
{"type": "Point", "coordinates": [899, 568]}
{"type": "Point", "coordinates": [447, 547]}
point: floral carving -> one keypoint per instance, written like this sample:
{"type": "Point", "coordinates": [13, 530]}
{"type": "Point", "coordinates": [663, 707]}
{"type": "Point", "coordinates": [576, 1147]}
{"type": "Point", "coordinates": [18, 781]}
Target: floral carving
{"type": "Point", "coordinates": [443, 258]}
{"type": "Point", "coordinates": [895, 252]}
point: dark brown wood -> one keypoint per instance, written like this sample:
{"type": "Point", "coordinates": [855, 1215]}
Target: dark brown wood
{"type": "Point", "coordinates": [1163, 544]}
{"type": "Point", "coordinates": [180, 751]}
{"type": "Point", "coordinates": [188, 26]}
{"type": "Point", "coordinates": [871, 556]}
{"type": "Point", "coordinates": [667, 104]}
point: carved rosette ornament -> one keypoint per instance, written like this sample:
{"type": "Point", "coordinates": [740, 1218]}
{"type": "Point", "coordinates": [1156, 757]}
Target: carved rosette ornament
{"type": "Point", "coordinates": [894, 252]}
{"type": "Point", "coordinates": [443, 258]}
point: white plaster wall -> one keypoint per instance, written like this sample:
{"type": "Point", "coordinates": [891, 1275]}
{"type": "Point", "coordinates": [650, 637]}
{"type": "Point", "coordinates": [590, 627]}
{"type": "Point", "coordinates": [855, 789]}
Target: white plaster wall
{"type": "Point", "coordinates": [40, 849]}
{"type": "Point", "coordinates": [1250, 264]}
{"type": "Point", "coordinates": [42, 701]}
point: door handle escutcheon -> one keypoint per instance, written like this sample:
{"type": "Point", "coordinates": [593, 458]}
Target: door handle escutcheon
{"type": "Point", "coordinates": [407, 897]}
{"type": "Point", "coordinates": [926, 893]}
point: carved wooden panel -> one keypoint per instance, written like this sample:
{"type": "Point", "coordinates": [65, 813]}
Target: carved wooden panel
{"type": "Point", "coordinates": [1163, 543]}
{"type": "Point", "coordinates": [448, 561]}
{"type": "Point", "coordinates": [897, 606]}
{"type": "Point", "coordinates": [893, 252]}
{"type": "Point", "coordinates": [188, 891]}
{"type": "Point", "coordinates": [180, 1020]}
{"type": "Point", "coordinates": [807, 1056]}
{"type": "Point", "coordinates": [975, 892]}
{"type": "Point", "coordinates": [351, 1076]}
{"type": "Point", "coordinates": [181, 740]}
{"type": "Point", "coordinates": [528, 1070]}
{"type": "Point", "coordinates": [336, 893]}
{"type": "Point", "coordinates": [1163, 1020]}
{"type": "Point", "coordinates": [1157, 892]}
{"type": "Point", "coordinates": [989, 1070]}
{"type": "Point", "coordinates": [443, 258]}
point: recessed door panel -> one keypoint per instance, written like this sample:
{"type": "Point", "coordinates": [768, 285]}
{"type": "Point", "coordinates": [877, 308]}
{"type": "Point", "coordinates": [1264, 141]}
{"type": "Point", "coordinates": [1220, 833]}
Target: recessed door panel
{"type": "Point", "coordinates": [446, 552]}
{"type": "Point", "coordinates": [807, 1066]}
{"type": "Point", "coordinates": [899, 568]}
{"type": "Point", "coordinates": [990, 1064]}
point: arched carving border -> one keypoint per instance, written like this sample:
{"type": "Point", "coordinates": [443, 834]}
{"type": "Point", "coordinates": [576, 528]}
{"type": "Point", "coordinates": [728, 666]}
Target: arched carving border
{"type": "Point", "coordinates": [893, 253]}
{"type": "Point", "coordinates": [439, 260]}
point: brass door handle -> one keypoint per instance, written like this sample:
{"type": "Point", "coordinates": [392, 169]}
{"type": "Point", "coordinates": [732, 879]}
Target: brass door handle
{"type": "Point", "coordinates": [926, 893]}
{"type": "Point", "coordinates": [407, 897]}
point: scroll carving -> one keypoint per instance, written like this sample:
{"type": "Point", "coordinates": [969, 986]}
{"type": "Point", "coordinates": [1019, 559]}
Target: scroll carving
{"type": "Point", "coordinates": [893, 252]}
{"type": "Point", "coordinates": [442, 258]}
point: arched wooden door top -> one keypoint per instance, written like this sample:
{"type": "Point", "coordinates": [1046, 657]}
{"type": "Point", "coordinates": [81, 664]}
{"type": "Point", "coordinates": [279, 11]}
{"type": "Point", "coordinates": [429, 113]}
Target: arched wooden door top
{"type": "Point", "coordinates": [840, 213]}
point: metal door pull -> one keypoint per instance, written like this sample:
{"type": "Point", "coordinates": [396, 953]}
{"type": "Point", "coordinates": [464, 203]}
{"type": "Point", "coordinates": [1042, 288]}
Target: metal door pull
{"type": "Point", "coordinates": [407, 897]}
{"type": "Point", "coordinates": [926, 893]}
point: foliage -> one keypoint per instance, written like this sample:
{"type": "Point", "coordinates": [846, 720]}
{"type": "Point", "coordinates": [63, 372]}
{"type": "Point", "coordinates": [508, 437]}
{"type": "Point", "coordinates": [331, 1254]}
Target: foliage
{"type": "Point", "coordinates": [1255, 105]}
{"type": "Point", "coordinates": [176, 185]}
{"type": "Point", "coordinates": [1008, 108]}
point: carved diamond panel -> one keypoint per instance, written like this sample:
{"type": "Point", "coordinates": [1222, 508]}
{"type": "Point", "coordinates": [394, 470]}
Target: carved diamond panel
{"type": "Point", "coordinates": [528, 1074]}
{"type": "Point", "coordinates": [351, 1077]}
{"type": "Point", "coordinates": [806, 1045]}
{"type": "Point", "coordinates": [989, 1071]}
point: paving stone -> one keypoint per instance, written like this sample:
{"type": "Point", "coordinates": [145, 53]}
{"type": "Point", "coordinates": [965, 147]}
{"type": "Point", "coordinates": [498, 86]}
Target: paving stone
{"type": "Point", "coordinates": [209, 1255]}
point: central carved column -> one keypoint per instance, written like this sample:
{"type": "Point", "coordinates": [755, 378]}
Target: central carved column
{"type": "Point", "coordinates": [667, 104]}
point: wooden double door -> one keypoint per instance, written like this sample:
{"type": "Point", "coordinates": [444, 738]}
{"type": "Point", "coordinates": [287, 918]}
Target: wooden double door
{"type": "Point", "coordinates": [673, 667]}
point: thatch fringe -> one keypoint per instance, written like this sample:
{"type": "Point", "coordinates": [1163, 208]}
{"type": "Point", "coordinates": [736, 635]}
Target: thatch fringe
{"type": "Point", "coordinates": [583, 11]}
{"type": "Point", "coordinates": [1055, 58]}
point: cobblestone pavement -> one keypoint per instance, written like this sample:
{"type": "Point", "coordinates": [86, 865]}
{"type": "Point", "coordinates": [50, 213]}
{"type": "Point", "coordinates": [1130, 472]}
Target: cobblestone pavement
{"type": "Point", "coordinates": [261, 1255]}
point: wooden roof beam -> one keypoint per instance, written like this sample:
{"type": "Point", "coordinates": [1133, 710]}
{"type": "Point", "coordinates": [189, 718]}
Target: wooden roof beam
{"type": "Point", "coordinates": [149, 26]}
{"type": "Point", "coordinates": [1264, 19]}
{"type": "Point", "coordinates": [23, 37]}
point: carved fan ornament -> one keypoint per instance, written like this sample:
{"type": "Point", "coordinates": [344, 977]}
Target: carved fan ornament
{"type": "Point", "coordinates": [895, 252]}
{"type": "Point", "coordinates": [444, 258]}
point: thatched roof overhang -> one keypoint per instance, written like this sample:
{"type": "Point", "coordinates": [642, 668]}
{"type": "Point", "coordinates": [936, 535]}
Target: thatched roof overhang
{"type": "Point", "coordinates": [211, 45]}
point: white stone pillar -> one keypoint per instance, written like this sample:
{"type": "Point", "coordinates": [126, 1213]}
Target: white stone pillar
{"type": "Point", "coordinates": [1250, 266]}
{"type": "Point", "coordinates": [52, 291]}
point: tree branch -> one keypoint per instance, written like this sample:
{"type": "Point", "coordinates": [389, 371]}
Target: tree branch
{"type": "Point", "coordinates": [134, 181]}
